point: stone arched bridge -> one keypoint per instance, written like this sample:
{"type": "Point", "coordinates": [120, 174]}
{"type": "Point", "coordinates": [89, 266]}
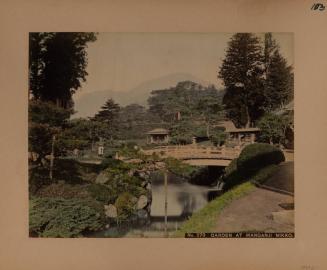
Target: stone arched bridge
{"type": "Point", "coordinates": [197, 155]}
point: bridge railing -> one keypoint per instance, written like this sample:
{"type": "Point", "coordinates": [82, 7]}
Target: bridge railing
{"type": "Point", "coordinates": [194, 152]}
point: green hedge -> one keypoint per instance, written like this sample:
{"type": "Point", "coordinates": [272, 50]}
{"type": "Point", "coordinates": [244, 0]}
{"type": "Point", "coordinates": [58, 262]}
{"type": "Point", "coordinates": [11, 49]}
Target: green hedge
{"type": "Point", "coordinates": [232, 175]}
{"type": "Point", "coordinates": [258, 155]}
{"type": "Point", "coordinates": [252, 159]}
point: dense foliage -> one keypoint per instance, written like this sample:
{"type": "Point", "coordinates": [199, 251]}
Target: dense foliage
{"type": "Point", "coordinates": [242, 72]}
{"type": "Point", "coordinates": [58, 217]}
{"type": "Point", "coordinates": [125, 204]}
{"type": "Point", "coordinates": [45, 121]}
{"type": "Point", "coordinates": [273, 128]}
{"type": "Point", "coordinates": [57, 65]}
{"type": "Point", "coordinates": [257, 78]}
{"type": "Point", "coordinates": [179, 168]}
{"type": "Point", "coordinates": [185, 100]}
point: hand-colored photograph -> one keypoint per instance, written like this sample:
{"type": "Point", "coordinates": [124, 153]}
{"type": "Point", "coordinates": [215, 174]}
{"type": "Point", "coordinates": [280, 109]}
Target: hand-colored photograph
{"type": "Point", "coordinates": [152, 135]}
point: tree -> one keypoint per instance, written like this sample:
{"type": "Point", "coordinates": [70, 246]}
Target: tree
{"type": "Point", "coordinates": [108, 115]}
{"type": "Point", "coordinates": [183, 99]}
{"type": "Point", "coordinates": [57, 65]}
{"type": "Point", "coordinates": [45, 121]}
{"type": "Point", "coordinates": [242, 71]}
{"type": "Point", "coordinates": [210, 109]}
{"type": "Point", "coordinates": [273, 128]}
{"type": "Point", "coordinates": [182, 132]}
{"type": "Point", "coordinates": [279, 83]}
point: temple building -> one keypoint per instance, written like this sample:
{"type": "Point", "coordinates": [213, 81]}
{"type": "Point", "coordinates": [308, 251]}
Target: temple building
{"type": "Point", "coordinates": [239, 136]}
{"type": "Point", "coordinates": [158, 136]}
{"type": "Point", "coordinates": [242, 135]}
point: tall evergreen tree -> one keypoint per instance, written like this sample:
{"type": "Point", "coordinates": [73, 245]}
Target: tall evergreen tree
{"type": "Point", "coordinates": [242, 73]}
{"type": "Point", "coordinates": [109, 115]}
{"type": "Point", "coordinates": [57, 65]}
{"type": "Point", "coordinates": [278, 76]}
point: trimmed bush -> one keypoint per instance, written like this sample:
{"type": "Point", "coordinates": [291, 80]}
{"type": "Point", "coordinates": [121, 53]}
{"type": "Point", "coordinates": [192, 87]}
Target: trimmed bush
{"type": "Point", "coordinates": [258, 155]}
{"type": "Point", "coordinates": [232, 175]}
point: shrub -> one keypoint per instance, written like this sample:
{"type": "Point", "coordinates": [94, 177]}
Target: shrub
{"type": "Point", "coordinates": [178, 167]}
{"type": "Point", "coordinates": [218, 138]}
{"type": "Point", "coordinates": [101, 193]}
{"type": "Point", "coordinates": [57, 217]}
{"type": "Point", "coordinates": [110, 162]}
{"type": "Point", "coordinates": [37, 178]}
{"type": "Point", "coordinates": [263, 174]}
{"type": "Point", "coordinates": [181, 139]}
{"type": "Point", "coordinates": [256, 156]}
{"type": "Point", "coordinates": [125, 204]}
{"type": "Point", "coordinates": [232, 175]}
{"type": "Point", "coordinates": [63, 190]}
{"type": "Point", "coordinates": [252, 159]}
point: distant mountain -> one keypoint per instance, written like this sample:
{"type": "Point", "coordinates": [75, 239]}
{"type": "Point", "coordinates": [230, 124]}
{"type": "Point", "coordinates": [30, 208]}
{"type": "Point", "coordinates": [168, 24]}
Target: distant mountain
{"type": "Point", "coordinates": [89, 104]}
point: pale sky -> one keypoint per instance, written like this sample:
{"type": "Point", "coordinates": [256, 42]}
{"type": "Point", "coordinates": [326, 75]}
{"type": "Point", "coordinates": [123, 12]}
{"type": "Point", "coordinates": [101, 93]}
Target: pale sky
{"type": "Point", "coordinates": [121, 61]}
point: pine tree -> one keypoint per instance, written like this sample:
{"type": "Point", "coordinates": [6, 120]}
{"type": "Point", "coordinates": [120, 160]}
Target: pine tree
{"type": "Point", "coordinates": [278, 83]}
{"type": "Point", "coordinates": [242, 73]}
{"type": "Point", "coordinates": [108, 115]}
{"type": "Point", "coordinates": [278, 76]}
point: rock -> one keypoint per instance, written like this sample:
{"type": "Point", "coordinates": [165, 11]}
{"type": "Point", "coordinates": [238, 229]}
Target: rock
{"type": "Point", "coordinates": [142, 202]}
{"type": "Point", "coordinates": [102, 178]}
{"type": "Point", "coordinates": [148, 186]}
{"type": "Point", "coordinates": [151, 167]}
{"type": "Point", "coordinates": [142, 214]}
{"type": "Point", "coordinates": [144, 183]}
{"type": "Point", "coordinates": [110, 211]}
{"type": "Point", "coordinates": [142, 217]}
{"type": "Point", "coordinates": [160, 165]}
{"type": "Point", "coordinates": [142, 174]}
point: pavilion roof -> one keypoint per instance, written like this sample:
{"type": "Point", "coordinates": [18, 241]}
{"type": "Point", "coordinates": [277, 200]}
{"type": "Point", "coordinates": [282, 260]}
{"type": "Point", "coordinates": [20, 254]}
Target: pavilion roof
{"type": "Point", "coordinates": [158, 131]}
{"type": "Point", "coordinates": [239, 130]}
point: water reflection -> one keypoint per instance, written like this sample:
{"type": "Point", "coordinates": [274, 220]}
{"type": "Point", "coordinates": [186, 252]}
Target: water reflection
{"type": "Point", "coordinates": [183, 199]}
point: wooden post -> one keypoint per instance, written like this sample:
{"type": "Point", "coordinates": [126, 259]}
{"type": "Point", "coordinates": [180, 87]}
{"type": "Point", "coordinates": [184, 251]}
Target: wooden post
{"type": "Point", "coordinates": [52, 157]}
{"type": "Point", "coordinates": [166, 202]}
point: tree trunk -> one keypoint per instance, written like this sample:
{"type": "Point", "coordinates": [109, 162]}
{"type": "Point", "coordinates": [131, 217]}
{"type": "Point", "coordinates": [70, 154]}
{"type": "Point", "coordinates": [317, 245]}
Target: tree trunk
{"type": "Point", "coordinates": [52, 157]}
{"type": "Point", "coordinates": [208, 130]}
{"type": "Point", "coordinates": [248, 119]}
{"type": "Point", "coordinates": [166, 201]}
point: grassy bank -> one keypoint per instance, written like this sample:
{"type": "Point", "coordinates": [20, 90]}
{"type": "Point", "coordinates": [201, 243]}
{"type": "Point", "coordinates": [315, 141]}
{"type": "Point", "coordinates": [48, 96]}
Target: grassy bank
{"type": "Point", "coordinates": [205, 220]}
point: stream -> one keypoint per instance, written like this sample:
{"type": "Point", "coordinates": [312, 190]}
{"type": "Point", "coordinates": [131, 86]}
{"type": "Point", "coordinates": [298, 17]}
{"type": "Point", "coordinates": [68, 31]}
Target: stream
{"type": "Point", "coordinates": [183, 199]}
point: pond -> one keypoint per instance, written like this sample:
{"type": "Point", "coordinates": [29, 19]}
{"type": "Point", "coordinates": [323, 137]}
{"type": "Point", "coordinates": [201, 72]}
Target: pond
{"type": "Point", "coordinates": [183, 199]}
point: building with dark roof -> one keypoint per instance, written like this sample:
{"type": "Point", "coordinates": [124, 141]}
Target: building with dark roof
{"type": "Point", "coordinates": [158, 136]}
